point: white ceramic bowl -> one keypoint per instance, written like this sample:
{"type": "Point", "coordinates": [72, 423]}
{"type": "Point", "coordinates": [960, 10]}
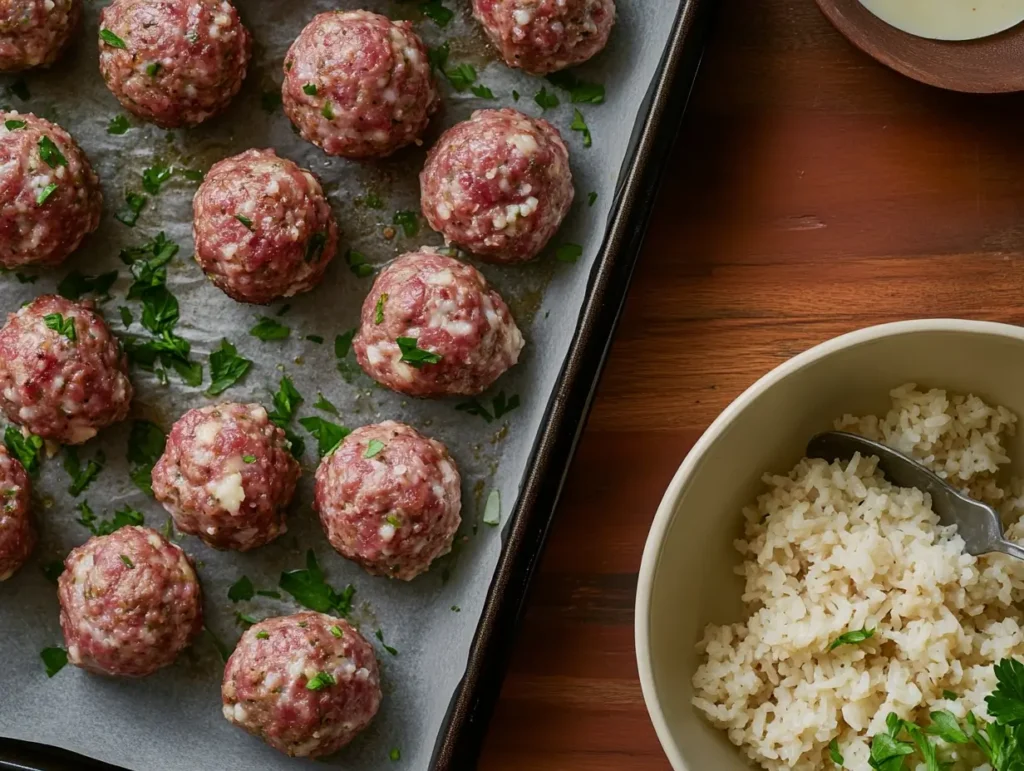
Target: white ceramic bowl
{"type": "Point", "coordinates": [687, 579]}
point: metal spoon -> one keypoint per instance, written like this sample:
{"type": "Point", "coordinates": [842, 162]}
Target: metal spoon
{"type": "Point", "coordinates": [977, 523]}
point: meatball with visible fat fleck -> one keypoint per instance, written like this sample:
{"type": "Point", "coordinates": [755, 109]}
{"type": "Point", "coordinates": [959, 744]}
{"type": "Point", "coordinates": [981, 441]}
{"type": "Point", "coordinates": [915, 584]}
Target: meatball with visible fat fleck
{"type": "Point", "coordinates": [50, 198]}
{"type": "Point", "coordinates": [263, 228]}
{"type": "Point", "coordinates": [129, 603]}
{"type": "Point", "coordinates": [227, 476]}
{"type": "Point", "coordinates": [306, 684]}
{"type": "Point", "coordinates": [389, 499]}
{"type": "Point", "coordinates": [17, 533]}
{"type": "Point", "coordinates": [34, 33]}
{"type": "Point", "coordinates": [359, 85]}
{"type": "Point", "coordinates": [63, 375]}
{"type": "Point", "coordinates": [498, 185]}
{"type": "Point", "coordinates": [544, 36]}
{"type": "Point", "coordinates": [174, 63]}
{"type": "Point", "coordinates": [432, 327]}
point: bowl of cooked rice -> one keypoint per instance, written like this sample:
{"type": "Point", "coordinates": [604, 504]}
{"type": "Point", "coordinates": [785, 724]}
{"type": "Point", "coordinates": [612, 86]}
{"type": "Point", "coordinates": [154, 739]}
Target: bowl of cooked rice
{"type": "Point", "coordinates": [794, 613]}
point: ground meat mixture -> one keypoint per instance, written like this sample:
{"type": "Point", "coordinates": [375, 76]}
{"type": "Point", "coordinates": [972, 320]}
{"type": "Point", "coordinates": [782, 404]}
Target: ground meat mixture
{"type": "Point", "coordinates": [306, 684]}
{"type": "Point", "coordinates": [431, 327]}
{"type": "Point", "coordinates": [129, 603]}
{"type": "Point", "coordinates": [50, 198]}
{"type": "Point", "coordinates": [173, 62]}
{"type": "Point", "coordinates": [358, 84]}
{"type": "Point", "coordinates": [542, 36]}
{"type": "Point", "coordinates": [498, 185]}
{"type": "Point", "coordinates": [17, 534]}
{"type": "Point", "coordinates": [227, 476]}
{"type": "Point", "coordinates": [263, 228]}
{"type": "Point", "coordinates": [389, 498]}
{"type": "Point", "coordinates": [63, 376]}
{"type": "Point", "coordinates": [33, 33]}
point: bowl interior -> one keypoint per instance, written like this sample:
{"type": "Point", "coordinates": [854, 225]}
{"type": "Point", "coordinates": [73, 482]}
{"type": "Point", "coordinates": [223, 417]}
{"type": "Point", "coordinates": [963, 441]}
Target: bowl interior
{"type": "Point", "coordinates": [689, 581]}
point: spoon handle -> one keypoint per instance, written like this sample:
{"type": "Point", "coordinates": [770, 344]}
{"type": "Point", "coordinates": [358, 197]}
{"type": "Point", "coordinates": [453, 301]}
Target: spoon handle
{"type": "Point", "coordinates": [1009, 547]}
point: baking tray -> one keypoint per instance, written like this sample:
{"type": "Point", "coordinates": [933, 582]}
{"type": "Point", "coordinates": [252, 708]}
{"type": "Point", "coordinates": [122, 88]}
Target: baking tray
{"type": "Point", "coordinates": [461, 735]}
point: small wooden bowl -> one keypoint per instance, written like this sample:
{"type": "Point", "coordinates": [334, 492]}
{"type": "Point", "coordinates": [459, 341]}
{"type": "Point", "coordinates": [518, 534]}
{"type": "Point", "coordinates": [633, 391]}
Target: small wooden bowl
{"type": "Point", "coordinates": [988, 65]}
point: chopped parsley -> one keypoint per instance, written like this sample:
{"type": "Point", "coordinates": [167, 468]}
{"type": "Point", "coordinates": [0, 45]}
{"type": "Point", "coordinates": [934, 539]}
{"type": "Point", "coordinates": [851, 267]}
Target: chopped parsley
{"type": "Point", "coordinates": [111, 39]}
{"type": "Point", "coordinates": [267, 329]}
{"type": "Point", "coordinates": [492, 509]}
{"type": "Point", "coordinates": [438, 57]}
{"type": "Point", "coordinates": [123, 517]}
{"type": "Point", "coordinates": [76, 284]}
{"type": "Point", "coordinates": [50, 153]}
{"type": "Point", "coordinates": [309, 89]}
{"type": "Point", "coordinates": [343, 343]}
{"type": "Point", "coordinates": [546, 99]}
{"type": "Point", "coordinates": [62, 326]}
{"type": "Point", "coordinates": [378, 316]}
{"type": "Point", "coordinates": [319, 681]}
{"type": "Point", "coordinates": [310, 590]}
{"type": "Point", "coordinates": [854, 637]}
{"type": "Point", "coordinates": [357, 263]}
{"type": "Point", "coordinates": [128, 561]}
{"type": "Point", "coordinates": [409, 221]}
{"type": "Point", "coordinates": [482, 91]}
{"type": "Point", "coordinates": [45, 193]}
{"type": "Point", "coordinates": [118, 125]}
{"type": "Point", "coordinates": [134, 204]}
{"type": "Point", "coordinates": [249, 458]}
{"type": "Point", "coordinates": [591, 198]}
{"type": "Point", "coordinates": [315, 247]}
{"type": "Point", "coordinates": [461, 77]}
{"type": "Point", "coordinates": [327, 111]}
{"type": "Point", "coordinates": [500, 405]}
{"type": "Point", "coordinates": [226, 368]}
{"type": "Point", "coordinates": [54, 659]}
{"type": "Point", "coordinates": [245, 620]}
{"type": "Point", "coordinates": [27, 449]}
{"type": "Point", "coordinates": [568, 252]}
{"type": "Point", "coordinates": [580, 91]}
{"type": "Point", "coordinates": [380, 636]}
{"type": "Point", "coordinates": [437, 13]}
{"type": "Point", "coordinates": [395, 754]}
{"type": "Point", "coordinates": [336, 631]}
{"type": "Point", "coordinates": [373, 448]}
{"type": "Point", "coordinates": [14, 125]}
{"type": "Point", "coordinates": [286, 401]}
{"type": "Point", "coordinates": [245, 221]}
{"type": "Point", "coordinates": [834, 754]}
{"type": "Point", "coordinates": [242, 589]}
{"type": "Point", "coordinates": [515, 95]}
{"type": "Point", "coordinates": [153, 69]}
{"type": "Point", "coordinates": [263, 634]}
{"type": "Point", "coordinates": [81, 477]}
{"type": "Point", "coordinates": [146, 443]}
{"type": "Point", "coordinates": [370, 201]}
{"type": "Point", "coordinates": [153, 177]}
{"type": "Point", "coordinates": [415, 356]}
{"type": "Point", "coordinates": [328, 435]}
{"type": "Point", "coordinates": [579, 124]}
{"type": "Point", "coordinates": [456, 609]}
{"type": "Point", "coordinates": [949, 695]}
{"type": "Point", "coordinates": [318, 339]}
{"type": "Point", "coordinates": [322, 403]}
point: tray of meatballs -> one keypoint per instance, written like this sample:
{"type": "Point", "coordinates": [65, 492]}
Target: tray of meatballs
{"type": "Point", "coordinates": [290, 293]}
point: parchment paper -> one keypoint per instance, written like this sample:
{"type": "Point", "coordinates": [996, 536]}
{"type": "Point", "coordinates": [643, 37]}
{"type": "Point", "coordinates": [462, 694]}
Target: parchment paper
{"type": "Point", "coordinates": [172, 720]}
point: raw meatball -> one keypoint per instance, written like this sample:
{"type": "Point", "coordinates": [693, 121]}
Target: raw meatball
{"type": "Point", "coordinates": [227, 476]}
{"type": "Point", "coordinates": [17, 535]}
{"type": "Point", "coordinates": [173, 62]}
{"type": "Point", "coordinates": [306, 684]}
{"type": "Point", "coordinates": [34, 32]}
{"type": "Point", "coordinates": [542, 36]}
{"type": "Point", "coordinates": [50, 199]}
{"type": "Point", "coordinates": [358, 84]}
{"type": "Point", "coordinates": [431, 327]}
{"type": "Point", "coordinates": [263, 228]}
{"type": "Point", "coordinates": [63, 376]}
{"type": "Point", "coordinates": [498, 185]}
{"type": "Point", "coordinates": [129, 603]}
{"type": "Point", "coordinates": [389, 498]}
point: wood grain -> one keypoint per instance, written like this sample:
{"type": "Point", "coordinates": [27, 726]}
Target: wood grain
{"type": "Point", "coordinates": [812, 192]}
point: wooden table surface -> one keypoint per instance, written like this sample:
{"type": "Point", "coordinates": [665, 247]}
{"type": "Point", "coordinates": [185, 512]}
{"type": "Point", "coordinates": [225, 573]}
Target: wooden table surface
{"type": "Point", "coordinates": [812, 192]}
